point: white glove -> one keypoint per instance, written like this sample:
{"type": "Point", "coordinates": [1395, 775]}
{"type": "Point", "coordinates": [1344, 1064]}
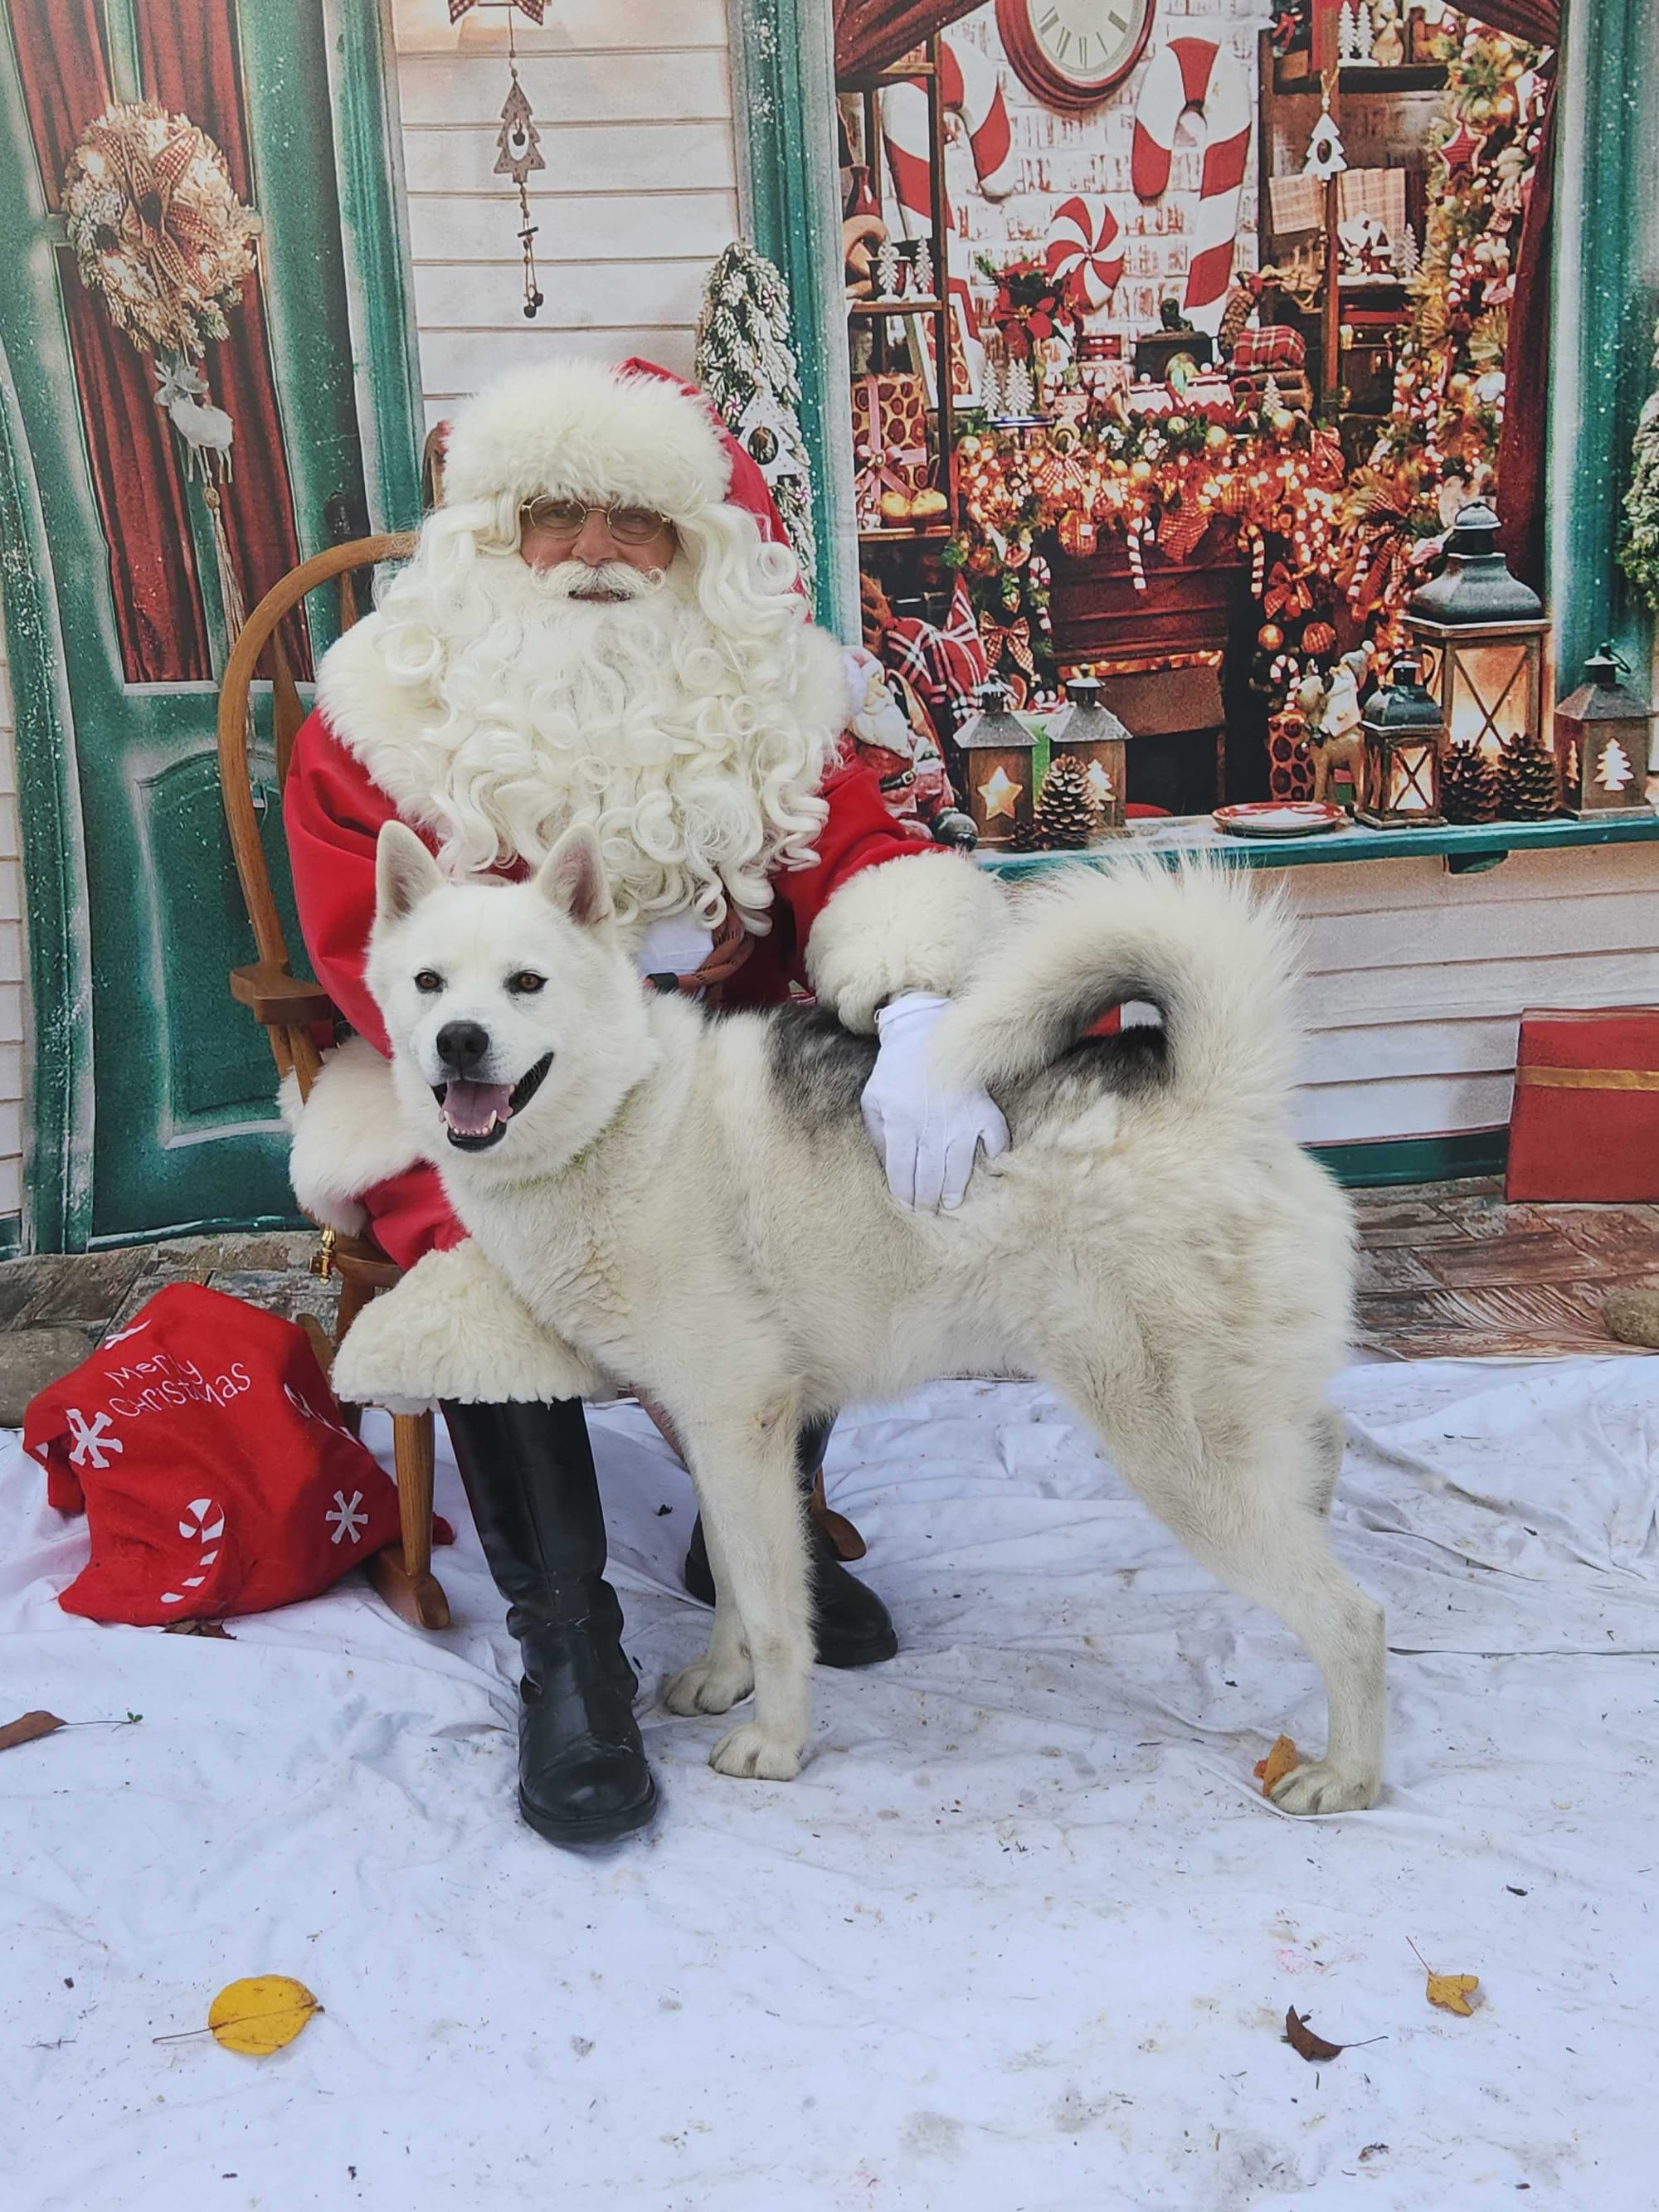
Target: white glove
{"type": "Point", "coordinates": [677, 944]}
{"type": "Point", "coordinates": [928, 1137]}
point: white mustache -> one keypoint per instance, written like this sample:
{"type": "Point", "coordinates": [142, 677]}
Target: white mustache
{"type": "Point", "coordinates": [575, 580]}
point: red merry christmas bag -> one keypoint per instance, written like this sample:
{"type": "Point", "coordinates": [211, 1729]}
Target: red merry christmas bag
{"type": "Point", "coordinates": [205, 1447]}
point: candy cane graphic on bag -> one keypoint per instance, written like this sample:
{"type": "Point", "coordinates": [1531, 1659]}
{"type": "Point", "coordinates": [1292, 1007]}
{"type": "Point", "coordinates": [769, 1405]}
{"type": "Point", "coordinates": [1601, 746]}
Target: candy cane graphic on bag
{"type": "Point", "coordinates": [1198, 73]}
{"type": "Point", "coordinates": [1085, 251]}
{"type": "Point", "coordinates": [202, 1522]}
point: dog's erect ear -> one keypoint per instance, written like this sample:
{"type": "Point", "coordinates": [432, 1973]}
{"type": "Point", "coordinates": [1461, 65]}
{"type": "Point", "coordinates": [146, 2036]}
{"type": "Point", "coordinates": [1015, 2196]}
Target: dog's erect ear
{"type": "Point", "coordinates": [572, 877]}
{"type": "Point", "coordinates": [405, 872]}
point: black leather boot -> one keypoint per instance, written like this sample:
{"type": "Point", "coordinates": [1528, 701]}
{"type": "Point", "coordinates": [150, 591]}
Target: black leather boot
{"type": "Point", "coordinates": [851, 1625]}
{"type": "Point", "coordinates": [530, 1481]}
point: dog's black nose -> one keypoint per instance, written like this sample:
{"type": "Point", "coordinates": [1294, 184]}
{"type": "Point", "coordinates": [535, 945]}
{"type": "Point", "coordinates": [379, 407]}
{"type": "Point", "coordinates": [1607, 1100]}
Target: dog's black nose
{"type": "Point", "coordinates": [461, 1045]}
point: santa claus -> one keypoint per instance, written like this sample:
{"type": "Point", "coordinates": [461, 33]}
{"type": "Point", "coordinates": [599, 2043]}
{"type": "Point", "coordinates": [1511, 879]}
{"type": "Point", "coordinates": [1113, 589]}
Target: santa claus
{"type": "Point", "coordinates": [603, 623]}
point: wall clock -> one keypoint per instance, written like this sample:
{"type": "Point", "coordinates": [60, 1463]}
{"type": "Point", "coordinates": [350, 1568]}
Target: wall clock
{"type": "Point", "coordinates": [1071, 52]}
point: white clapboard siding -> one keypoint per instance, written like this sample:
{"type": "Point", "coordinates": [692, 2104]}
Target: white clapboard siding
{"type": "Point", "coordinates": [590, 295]}
{"type": "Point", "coordinates": [11, 960]}
{"type": "Point", "coordinates": [462, 92]}
{"type": "Point", "coordinates": [1415, 980]}
{"type": "Point", "coordinates": [665, 227]}
{"type": "Point", "coordinates": [578, 26]}
{"type": "Point", "coordinates": [630, 161]}
{"type": "Point", "coordinates": [633, 102]}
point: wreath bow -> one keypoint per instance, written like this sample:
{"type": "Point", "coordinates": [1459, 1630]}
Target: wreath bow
{"type": "Point", "coordinates": [1013, 639]}
{"type": "Point", "coordinates": [1287, 593]}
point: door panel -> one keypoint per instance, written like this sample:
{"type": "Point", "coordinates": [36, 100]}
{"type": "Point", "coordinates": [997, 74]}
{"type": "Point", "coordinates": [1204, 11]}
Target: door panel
{"type": "Point", "coordinates": [176, 1100]}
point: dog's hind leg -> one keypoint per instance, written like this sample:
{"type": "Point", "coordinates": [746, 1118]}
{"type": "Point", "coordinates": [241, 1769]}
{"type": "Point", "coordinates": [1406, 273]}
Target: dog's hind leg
{"type": "Point", "coordinates": [745, 1471]}
{"type": "Point", "coordinates": [1251, 1507]}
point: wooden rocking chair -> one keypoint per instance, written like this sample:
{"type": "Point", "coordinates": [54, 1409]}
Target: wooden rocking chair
{"type": "Point", "coordinates": [287, 1006]}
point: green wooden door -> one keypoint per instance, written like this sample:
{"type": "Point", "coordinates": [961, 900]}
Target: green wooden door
{"type": "Point", "coordinates": [154, 1104]}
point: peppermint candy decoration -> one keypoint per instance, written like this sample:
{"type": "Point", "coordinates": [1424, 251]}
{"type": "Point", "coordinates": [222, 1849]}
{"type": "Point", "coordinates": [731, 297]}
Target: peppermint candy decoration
{"type": "Point", "coordinates": [201, 1523]}
{"type": "Point", "coordinates": [1085, 252]}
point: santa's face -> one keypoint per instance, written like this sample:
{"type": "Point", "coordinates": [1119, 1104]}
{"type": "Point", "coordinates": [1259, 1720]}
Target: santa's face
{"type": "Point", "coordinates": [591, 548]}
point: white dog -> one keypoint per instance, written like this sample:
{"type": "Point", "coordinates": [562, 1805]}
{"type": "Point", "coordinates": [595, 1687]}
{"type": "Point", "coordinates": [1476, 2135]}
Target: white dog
{"type": "Point", "coordinates": [692, 1206]}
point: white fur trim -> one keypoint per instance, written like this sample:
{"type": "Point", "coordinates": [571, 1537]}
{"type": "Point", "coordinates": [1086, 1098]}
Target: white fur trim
{"type": "Point", "coordinates": [348, 1136]}
{"type": "Point", "coordinates": [578, 428]}
{"type": "Point", "coordinates": [914, 924]}
{"type": "Point", "coordinates": [452, 1328]}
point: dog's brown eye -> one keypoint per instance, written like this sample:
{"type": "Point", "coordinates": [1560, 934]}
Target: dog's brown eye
{"type": "Point", "coordinates": [526, 980]}
{"type": "Point", "coordinates": [428, 980]}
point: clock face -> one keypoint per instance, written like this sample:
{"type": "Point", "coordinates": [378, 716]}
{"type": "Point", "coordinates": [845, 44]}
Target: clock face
{"type": "Point", "coordinates": [1072, 53]}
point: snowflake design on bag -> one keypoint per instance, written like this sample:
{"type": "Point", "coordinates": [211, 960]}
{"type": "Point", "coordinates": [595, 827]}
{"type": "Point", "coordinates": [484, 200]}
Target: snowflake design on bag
{"type": "Point", "coordinates": [350, 1520]}
{"type": "Point", "coordinates": [89, 1443]}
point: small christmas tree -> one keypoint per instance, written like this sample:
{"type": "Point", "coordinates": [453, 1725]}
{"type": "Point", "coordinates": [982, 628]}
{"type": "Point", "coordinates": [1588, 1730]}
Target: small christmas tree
{"type": "Point", "coordinates": [1019, 394]}
{"type": "Point", "coordinates": [1067, 813]}
{"type": "Point", "coordinates": [1526, 787]}
{"type": "Point", "coordinates": [1613, 770]}
{"type": "Point", "coordinates": [745, 362]}
{"type": "Point", "coordinates": [1468, 785]}
{"type": "Point", "coordinates": [1638, 541]}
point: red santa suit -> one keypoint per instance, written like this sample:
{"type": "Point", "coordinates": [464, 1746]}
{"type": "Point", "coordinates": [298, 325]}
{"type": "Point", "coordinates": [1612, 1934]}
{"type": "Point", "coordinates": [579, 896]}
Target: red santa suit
{"type": "Point", "coordinates": [839, 899]}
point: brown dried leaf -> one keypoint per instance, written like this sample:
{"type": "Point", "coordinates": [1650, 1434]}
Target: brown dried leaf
{"type": "Point", "coordinates": [214, 1628]}
{"type": "Point", "coordinates": [28, 1727]}
{"type": "Point", "coordinates": [1303, 2040]}
{"type": "Point", "coordinates": [1281, 1760]}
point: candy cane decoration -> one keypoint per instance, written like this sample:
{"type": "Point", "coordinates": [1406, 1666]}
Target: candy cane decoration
{"type": "Point", "coordinates": [969, 86]}
{"type": "Point", "coordinates": [1198, 73]}
{"type": "Point", "coordinates": [1137, 559]}
{"type": "Point", "coordinates": [203, 1522]}
{"type": "Point", "coordinates": [1085, 252]}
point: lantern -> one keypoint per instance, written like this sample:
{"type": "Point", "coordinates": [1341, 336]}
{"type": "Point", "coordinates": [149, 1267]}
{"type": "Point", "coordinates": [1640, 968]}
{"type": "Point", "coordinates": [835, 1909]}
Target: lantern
{"type": "Point", "coordinates": [1403, 731]}
{"type": "Point", "coordinates": [996, 749]}
{"type": "Point", "coordinates": [1089, 734]}
{"type": "Point", "coordinates": [1601, 735]}
{"type": "Point", "coordinates": [1479, 633]}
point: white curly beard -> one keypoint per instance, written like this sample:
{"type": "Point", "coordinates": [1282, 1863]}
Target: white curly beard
{"type": "Point", "coordinates": [498, 705]}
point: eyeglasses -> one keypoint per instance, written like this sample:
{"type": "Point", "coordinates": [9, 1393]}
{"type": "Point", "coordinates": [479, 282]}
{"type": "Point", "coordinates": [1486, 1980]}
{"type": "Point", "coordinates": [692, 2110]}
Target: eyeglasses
{"type": "Point", "coordinates": [567, 518]}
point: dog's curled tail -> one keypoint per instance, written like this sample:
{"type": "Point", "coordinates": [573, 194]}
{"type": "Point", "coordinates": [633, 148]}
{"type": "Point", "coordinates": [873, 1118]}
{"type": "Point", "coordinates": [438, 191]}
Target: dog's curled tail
{"type": "Point", "coordinates": [1199, 942]}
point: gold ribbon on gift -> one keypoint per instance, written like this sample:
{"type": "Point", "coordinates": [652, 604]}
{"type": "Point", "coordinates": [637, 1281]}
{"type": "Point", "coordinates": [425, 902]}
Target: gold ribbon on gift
{"type": "Point", "coordinates": [1590, 1078]}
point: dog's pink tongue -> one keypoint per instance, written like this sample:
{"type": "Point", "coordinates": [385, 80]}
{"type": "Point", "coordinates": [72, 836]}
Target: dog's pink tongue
{"type": "Point", "coordinates": [472, 1110]}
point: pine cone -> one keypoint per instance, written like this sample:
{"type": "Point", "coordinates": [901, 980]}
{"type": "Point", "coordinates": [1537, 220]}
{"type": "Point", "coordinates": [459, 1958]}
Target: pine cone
{"type": "Point", "coordinates": [1067, 814]}
{"type": "Point", "coordinates": [1526, 788]}
{"type": "Point", "coordinates": [1468, 785]}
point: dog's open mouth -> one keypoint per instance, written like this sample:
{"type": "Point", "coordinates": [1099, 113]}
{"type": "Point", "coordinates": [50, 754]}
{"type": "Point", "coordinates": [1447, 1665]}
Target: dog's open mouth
{"type": "Point", "coordinates": [476, 1115]}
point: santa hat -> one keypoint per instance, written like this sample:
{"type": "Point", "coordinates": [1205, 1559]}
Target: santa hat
{"type": "Point", "coordinates": [585, 429]}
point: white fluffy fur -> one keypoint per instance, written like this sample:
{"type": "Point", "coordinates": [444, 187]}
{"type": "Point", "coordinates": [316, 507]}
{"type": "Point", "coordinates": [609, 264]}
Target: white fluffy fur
{"type": "Point", "coordinates": [915, 924]}
{"type": "Point", "coordinates": [452, 1328]}
{"type": "Point", "coordinates": [695, 1206]}
{"type": "Point", "coordinates": [348, 1136]}
{"type": "Point", "coordinates": [689, 728]}
{"type": "Point", "coordinates": [576, 427]}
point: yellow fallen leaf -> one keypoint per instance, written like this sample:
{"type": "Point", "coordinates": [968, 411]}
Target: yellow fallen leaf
{"type": "Point", "coordinates": [259, 2016]}
{"type": "Point", "coordinates": [1452, 1992]}
{"type": "Point", "coordinates": [1281, 1760]}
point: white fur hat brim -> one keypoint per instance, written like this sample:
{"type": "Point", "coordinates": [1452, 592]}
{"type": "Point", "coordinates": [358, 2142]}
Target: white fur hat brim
{"type": "Point", "coordinates": [583, 429]}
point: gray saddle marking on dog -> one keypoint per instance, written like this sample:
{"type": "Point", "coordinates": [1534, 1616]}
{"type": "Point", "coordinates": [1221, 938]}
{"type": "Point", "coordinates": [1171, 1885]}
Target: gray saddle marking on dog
{"type": "Point", "coordinates": [820, 1068]}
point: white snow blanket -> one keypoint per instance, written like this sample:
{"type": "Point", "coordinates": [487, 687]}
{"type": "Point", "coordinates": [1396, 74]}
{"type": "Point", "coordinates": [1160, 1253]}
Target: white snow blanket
{"type": "Point", "coordinates": [1021, 1937]}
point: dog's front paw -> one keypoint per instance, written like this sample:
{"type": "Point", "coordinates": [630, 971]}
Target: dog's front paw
{"type": "Point", "coordinates": [1319, 1787]}
{"type": "Point", "coordinates": [709, 1686]}
{"type": "Point", "coordinates": [753, 1756]}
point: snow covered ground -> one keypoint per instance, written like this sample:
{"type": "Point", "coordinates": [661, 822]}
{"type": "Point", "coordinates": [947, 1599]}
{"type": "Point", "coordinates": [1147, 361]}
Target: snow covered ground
{"type": "Point", "coordinates": [1023, 1934]}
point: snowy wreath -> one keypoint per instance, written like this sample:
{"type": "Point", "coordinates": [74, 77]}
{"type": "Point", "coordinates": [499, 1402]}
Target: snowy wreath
{"type": "Point", "coordinates": [156, 229]}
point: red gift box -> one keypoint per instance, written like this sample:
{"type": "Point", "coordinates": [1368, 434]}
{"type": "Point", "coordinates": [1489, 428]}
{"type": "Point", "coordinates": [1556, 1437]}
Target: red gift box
{"type": "Point", "coordinates": [1274, 346]}
{"type": "Point", "coordinates": [1585, 1121]}
{"type": "Point", "coordinates": [206, 1449]}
